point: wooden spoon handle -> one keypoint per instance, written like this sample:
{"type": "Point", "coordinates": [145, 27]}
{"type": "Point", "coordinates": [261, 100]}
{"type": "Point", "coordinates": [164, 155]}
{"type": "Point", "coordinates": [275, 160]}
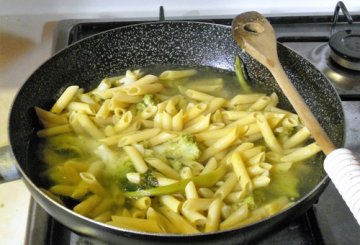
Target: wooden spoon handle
{"type": "Point", "coordinates": [256, 36]}
{"type": "Point", "coordinates": [303, 110]}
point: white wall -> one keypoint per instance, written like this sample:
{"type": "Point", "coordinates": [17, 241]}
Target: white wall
{"type": "Point", "coordinates": [135, 8]}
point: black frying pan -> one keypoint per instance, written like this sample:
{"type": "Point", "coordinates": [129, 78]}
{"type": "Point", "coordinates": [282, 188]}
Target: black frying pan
{"type": "Point", "coordinates": [166, 43]}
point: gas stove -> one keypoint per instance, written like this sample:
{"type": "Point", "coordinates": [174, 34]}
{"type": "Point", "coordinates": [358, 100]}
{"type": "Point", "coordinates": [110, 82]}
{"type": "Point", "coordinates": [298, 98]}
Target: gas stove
{"type": "Point", "coordinates": [332, 44]}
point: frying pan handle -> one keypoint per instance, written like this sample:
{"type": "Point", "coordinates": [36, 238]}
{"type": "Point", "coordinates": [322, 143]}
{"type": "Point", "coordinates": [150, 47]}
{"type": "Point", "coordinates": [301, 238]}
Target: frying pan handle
{"type": "Point", "coordinates": [343, 168]}
{"type": "Point", "coordinates": [8, 171]}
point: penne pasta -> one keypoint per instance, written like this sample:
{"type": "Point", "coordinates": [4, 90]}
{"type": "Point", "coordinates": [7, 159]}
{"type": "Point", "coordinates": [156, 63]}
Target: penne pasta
{"type": "Point", "coordinates": [179, 153]}
{"type": "Point", "coordinates": [47, 132]}
{"type": "Point", "coordinates": [132, 138]}
{"type": "Point", "coordinates": [268, 134]}
{"type": "Point", "coordinates": [64, 99]}
{"type": "Point", "coordinates": [170, 202]}
{"type": "Point", "coordinates": [302, 153]}
{"type": "Point", "coordinates": [50, 117]}
{"type": "Point", "coordinates": [176, 74]}
{"type": "Point", "coordinates": [236, 217]}
{"type": "Point", "coordinates": [177, 220]}
{"type": "Point", "coordinates": [136, 159]}
{"type": "Point", "coordinates": [146, 225]}
{"type": "Point", "coordinates": [190, 191]}
{"type": "Point", "coordinates": [214, 215]}
{"type": "Point", "coordinates": [87, 205]}
{"type": "Point", "coordinates": [163, 168]}
{"type": "Point", "coordinates": [241, 172]}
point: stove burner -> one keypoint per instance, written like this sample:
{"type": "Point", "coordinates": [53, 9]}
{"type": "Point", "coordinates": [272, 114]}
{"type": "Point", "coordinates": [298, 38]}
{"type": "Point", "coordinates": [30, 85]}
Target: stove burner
{"type": "Point", "coordinates": [345, 80]}
{"type": "Point", "coordinates": [345, 49]}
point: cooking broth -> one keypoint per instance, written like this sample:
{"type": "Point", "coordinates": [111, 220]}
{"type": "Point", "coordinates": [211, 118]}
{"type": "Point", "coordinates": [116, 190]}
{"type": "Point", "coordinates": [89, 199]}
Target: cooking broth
{"type": "Point", "coordinates": [100, 166]}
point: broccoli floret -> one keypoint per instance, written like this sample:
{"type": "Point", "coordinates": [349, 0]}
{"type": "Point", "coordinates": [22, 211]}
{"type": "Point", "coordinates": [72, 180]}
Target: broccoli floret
{"type": "Point", "coordinates": [148, 180]}
{"type": "Point", "coordinates": [183, 147]}
{"type": "Point", "coordinates": [175, 164]}
{"type": "Point", "coordinates": [117, 174]}
{"type": "Point", "coordinates": [148, 100]}
{"type": "Point", "coordinates": [250, 200]}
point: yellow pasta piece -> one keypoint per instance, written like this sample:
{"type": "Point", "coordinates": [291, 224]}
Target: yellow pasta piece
{"type": "Point", "coordinates": [177, 74]}
{"type": "Point", "coordinates": [104, 217]}
{"type": "Point", "coordinates": [144, 89]}
{"type": "Point", "coordinates": [136, 158]}
{"type": "Point", "coordinates": [93, 185]}
{"type": "Point", "coordinates": [211, 165]}
{"type": "Point", "coordinates": [124, 121]}
{"type": "Point", "coordinates": [48, 116]}
{"type": "Point", "coordinates": [194, 111]}
{"type": "Point", "coordinates": [142, 203]}
{"type": "Point", "coordinates": [199, 126]}
{"type": "Point", "coordinates": [163, 168]}
{"type": "Point", "coordinates": [206, 193]}
{"type": "Point", "coordinates": [104, 110]}
{"type": "Point", "coordinates": [63, 190]}
{"type": "Point", "coordinates": [87, 205]}
{"type": "Point", "coordinates": [161, 220]}
{"type": "Point", "coordinates": [147, 79]}
{"type": "Point", "coordinates": [260, 181]}
{"type": "Point", "coordinates": [241, 172]}
{"type": "Point", "coordinates": [236, 217]}
{"type": "Point", "coordinates": [199, 96]}
{"type": "Point", "coordinates": [215, 104]}
{"type": "Point", "coordinates": [213, 134]}
{"type": "Point", "coordinates": [171, 202]}
{"type": "Point", "coordinates": [89, 126]}
{"type": "Point", "coordinates": [81, 107]}
{"type": "Point", "coordinates": [180, 223]}
{"type": "Point", "coordinates": [302, 153]}
{"type": "Point", "coordinates": [138, 136]}
{"type": "Point", "coordinates": [104, 207]}
{"type": "Point", "coordinates": [220, 144]}
{"type": "Point", "coordinates": [166, 121]}
{"type": "Point", "coordinates": [268, 134]}
{"type": "Point", "coordinates": [227, 187]}
{"type": "Point", "coordinates": [296, 139]}
{"type": "Point", "coordinates": [64, 99]}
{"type": "Point", "coordinates": [244, 99]}
{"type": "Point", "coordinates": [214, 216]}
{"type": "Point", "coordinates": [77, 164]}
{"type": "Point", "coordinates": [47, 132]}
{"type": "Point", "coordinates": [235, 115]}
{"type": "Point", "coordinates": [190, 191]}
{"type": "Point", "coordinates": [195, 218]}
{"type": "Point", "coordinates": [121, 98]}
{"type": "Point", "coordinates": [146, 225]}
{"type": "Point", "coordinates": [177, 121]}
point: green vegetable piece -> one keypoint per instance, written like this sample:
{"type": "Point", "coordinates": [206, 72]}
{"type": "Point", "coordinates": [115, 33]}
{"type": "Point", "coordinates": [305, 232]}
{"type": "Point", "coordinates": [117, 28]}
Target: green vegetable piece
{"type": "Point", "coordinates": [148, 180]}
{"type": "Point", "coordinates": [183, 147]}
{"type": "Point", "coordinates": [250, 200]}
{"type": "Point", "coordinates": [241, 75]}
{"type": "Point", "coordinates": [148, 100]}
{"type": "Point", "coordinates": [205, 180]}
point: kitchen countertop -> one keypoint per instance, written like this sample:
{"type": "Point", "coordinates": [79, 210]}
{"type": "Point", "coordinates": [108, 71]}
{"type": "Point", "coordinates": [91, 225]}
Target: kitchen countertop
{"type": "Point", "coordinates": [26, 42]}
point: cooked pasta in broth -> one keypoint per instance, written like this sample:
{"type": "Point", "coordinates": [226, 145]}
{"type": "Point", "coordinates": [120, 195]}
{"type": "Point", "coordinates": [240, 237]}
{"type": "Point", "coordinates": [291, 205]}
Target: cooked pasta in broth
{"type": "Point", "coordinates": [178, 151]}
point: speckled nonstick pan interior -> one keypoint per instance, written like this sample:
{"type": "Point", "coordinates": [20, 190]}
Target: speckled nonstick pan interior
{"type": "Point", "coordinates": [165, 43]}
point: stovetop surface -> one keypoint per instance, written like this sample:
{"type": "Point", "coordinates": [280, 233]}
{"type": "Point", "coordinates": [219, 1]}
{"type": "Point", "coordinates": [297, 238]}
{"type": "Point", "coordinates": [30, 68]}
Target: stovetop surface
{"type": "Point", "coordinates": [329, 221]}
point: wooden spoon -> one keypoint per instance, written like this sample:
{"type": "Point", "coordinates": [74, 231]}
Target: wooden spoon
{"type": "Point", "coordinates": [255, 35]}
